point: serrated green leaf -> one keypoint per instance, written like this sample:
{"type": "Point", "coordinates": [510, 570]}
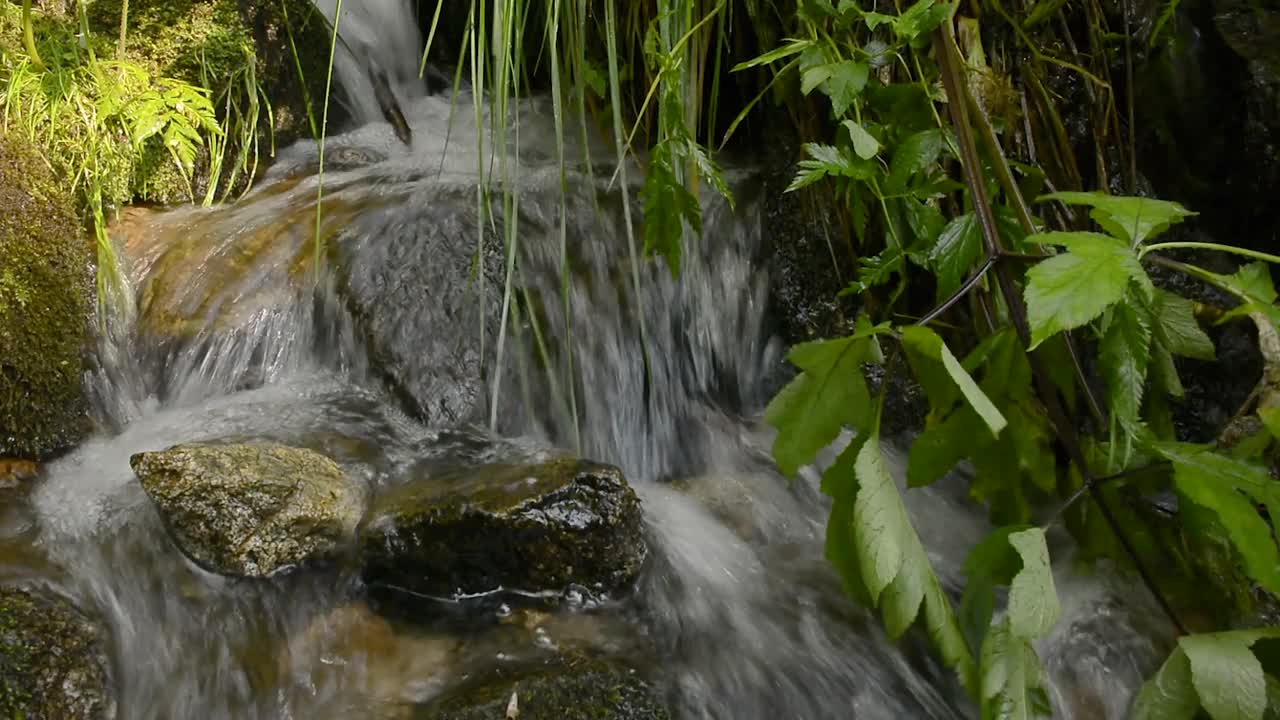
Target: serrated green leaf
{"type": "Point", "coordinates": [894, 565]}
{"type": "Point", "coordinates": [1226, 486]}
{"type": "Point", "coordinates": [844, 84]}
{"type": "Point", "coordinates": [864, 144]}
{"type": "Point", "coordinates": [1169, 695]}
{"type": "Point", "coordinates": [939, 447]}
{"type": "Point", "coordinates": [924, 347]}
{"type": "Point", "coordinates": [1033, 600]}
{"type": "Point", "coordinates": [914, 155]}
{"type": "Point", "coordinates": [922, 18]}
{"type": "Point", "coordinates": [1124, 354]}
{"type": "Point", "coordinates": [1010, 677]}
{"type": "Point", "coordinates": [829, 394]}
{"type": "Point", "coordinates": [958, 248]}
{"type": "Point", "coordinates": [1226, 675]}
{"type": "Point", "coordinates": [1177, 328]}
{"type": "Point", "coordinates": [1069, 290]}
{"type": "Point", "coordinates": [668, 206]}
{"type": "Point", "coordinates": [1137, 218]}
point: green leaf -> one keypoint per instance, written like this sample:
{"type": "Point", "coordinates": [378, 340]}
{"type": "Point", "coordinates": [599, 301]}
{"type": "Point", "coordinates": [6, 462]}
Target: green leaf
{"type": "Point", "coordinates": [1169, 695]}
{"type": "Point", "coordinates": [957, 249]}
{"type": "Point", "coordinates": [1033, 600]}
{"type": "Point", "coordinates": [1271, 420]}
{"type": "Point", "coordinates": [791, 47]}
{"type": "Point", "coordinates": [1124, 354]}
{"type": "Point", "coordinates": [1069, 290]}
{"type": "Point", "coordinates": [1224, 486]}
{"type": "Point", "coordinates": [844, 84]}
{"type": "Point", "coordinates": [1177, 328]}
{"type": "Point", "coordinates": [830, 393]}
{"type": "Point", "coordinates": [668, 205]}
{"type": "Point", "coordinates": [922, 18]}
{"type": "Point", "coordinates": [1133, 219]}
{"type": "Point", "coordinates": [864, 145]}
{"type": "Point", "coordinates": [1011, 677]}
{"type": "Point", "coordinates": [894, 565]}
{"type": "Point", "coordinates": [916, 153]}
{"type": "Point", "coordinates": [992, 562]}
{"type": "Point", "coordinates": [925, 347]}
{"type": "Point", "coordinates": [1226, 675]}
{"type": "Point", "coordinates": [939, 447]}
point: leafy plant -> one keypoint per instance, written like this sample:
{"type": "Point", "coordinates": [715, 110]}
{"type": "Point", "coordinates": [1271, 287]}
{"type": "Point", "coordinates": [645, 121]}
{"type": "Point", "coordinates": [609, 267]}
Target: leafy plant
{"type": "Point", "coordinates": [1024, 301]}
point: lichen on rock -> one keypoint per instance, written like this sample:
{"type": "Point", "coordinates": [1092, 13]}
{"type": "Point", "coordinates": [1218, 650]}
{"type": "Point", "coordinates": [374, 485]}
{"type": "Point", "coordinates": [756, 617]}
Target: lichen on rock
{"type": "Point", "coordinates": [53, 661]}
{"type": "Point", "coordinates": [541, 527]}
{"type": "Point", "coordinates": [45, 306]}
{"type": "Point", "coordinates": [251, 510]}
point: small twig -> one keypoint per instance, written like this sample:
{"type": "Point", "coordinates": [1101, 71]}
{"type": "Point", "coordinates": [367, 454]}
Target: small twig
{"type": "Point", "coordinates": [1096, 482]}
{"type": "Point", "coordinates": [960, 293]}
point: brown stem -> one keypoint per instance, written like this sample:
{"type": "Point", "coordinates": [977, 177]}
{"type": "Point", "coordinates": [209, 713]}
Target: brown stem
{"type": "Point", "coordinates": [944, 45]}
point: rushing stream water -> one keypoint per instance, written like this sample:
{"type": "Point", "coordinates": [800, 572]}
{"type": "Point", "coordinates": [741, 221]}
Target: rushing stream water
{"type": "Point", "coordinates": [232, 337]}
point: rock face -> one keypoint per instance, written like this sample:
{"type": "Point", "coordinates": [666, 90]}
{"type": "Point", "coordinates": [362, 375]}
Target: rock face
{"type": "Point", "coordinates": [251, 510]}
{"type": "Point", "coordinates": [407, 271]}
{"type": "Point", "coordinates": [46, 299]}
{"type": "Point", "coordinates": [515, 527]}
{"type": "Point", "coordinates": [53, 662]}
{"type": "Point", "coordinates": [574, 690]}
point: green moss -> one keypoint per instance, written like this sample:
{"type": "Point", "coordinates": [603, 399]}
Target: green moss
{"type": "Point", "coordinates": [572, 690]}
{"type": "Point", "coordinates": [45, 304]}
{"type": "Point", "coordinates": [52, 661]}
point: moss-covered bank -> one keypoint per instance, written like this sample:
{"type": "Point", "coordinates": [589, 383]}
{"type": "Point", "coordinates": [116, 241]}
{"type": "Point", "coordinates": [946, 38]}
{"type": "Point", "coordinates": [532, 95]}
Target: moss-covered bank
{"type": "Point", "coordinates": [46, 295]}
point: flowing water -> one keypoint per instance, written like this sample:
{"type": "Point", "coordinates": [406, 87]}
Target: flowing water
{"type": "Point", "coordinates": [235, 335]}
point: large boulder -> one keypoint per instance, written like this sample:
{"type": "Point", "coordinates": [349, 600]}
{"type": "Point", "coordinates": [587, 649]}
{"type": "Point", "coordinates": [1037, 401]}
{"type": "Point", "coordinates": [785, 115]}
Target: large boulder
{"type": "Point", "coordinates": [407, 269]}
{"type": "Point", "coordinates": [540, 527]}
{"type": "Point", "coordinates": [46, 300]}
{"type": "Point", "coordinates": [251, 510]}
{"type": "Point", "coordinates": [53, 661]}
{"type": "Point", "coordinates": [578, 689]}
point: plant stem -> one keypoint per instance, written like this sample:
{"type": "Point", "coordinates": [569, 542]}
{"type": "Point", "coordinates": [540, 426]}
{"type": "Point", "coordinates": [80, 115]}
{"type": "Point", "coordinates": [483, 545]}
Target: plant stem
{"type": "Point", "coordinates": [29, 37]}
{"type": "Point", "coordinates": [124, 29]}
{"type": "Point", "coordinates": [960, 293]}
{"type": "Point", "coordinates": [944, 44]}
{"type": "Point", "coordinates": [1210, 246]}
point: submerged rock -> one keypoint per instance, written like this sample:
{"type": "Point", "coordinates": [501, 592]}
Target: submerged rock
{"type": "Point", "coordinates": [570, 690]}
{"type": "Point", "coordinates": [46, 300]}
{"type": "Point", "coordinates": [251, 510]}
{"type": "Point", "coordinates": [53, 662]}
{"type": "Point", "coordinates": [515, 527]}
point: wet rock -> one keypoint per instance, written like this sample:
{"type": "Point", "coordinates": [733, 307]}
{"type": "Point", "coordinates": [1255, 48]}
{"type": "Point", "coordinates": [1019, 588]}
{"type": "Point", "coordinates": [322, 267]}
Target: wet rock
{"type": "Point", "coordinates": [251, 510]}
{"type": "Point", "coordinates": [53, 662]}
{"type": "Point", "coordinates": [574, 689]}
{"type": "Point", "coordinates": [14, 472]}
{"type": "Point", "coordinates": [514, 527]}
{"type": "Point", "coordinates": [407, 271]}
{"type": "Point", "coordinates": [46, 299]}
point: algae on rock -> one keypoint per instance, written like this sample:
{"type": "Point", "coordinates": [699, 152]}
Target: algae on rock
{"type": "Point", "coordinates": [507, 527]}
{"type": "Point", "coordinates": [251, 510]}
{"type": "Point", "coordinates": [45, 306]}
{"type": "Point", "coordinates": [53, 661]}
{"type": "Point", "coordinates": [576, 689]}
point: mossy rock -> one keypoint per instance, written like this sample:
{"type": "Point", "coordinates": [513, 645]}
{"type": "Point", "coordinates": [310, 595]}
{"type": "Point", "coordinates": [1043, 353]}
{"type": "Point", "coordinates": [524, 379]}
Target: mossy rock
{"type": "Point", "coordinates": [572, 690]}
{"type": "Point", "coordinates": [540, 527]}
{"type": "Point", "coordinates": [53, 662]}
{"type": "Point", "coordinates": [46, 300]}
{"type": "Point", "coordinates": [250, 509]}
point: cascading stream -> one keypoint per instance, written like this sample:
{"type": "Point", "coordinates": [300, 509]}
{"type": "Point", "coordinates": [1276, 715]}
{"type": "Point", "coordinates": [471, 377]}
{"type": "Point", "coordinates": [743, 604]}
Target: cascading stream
{"type": "Point", "coordinates": [235, 338]}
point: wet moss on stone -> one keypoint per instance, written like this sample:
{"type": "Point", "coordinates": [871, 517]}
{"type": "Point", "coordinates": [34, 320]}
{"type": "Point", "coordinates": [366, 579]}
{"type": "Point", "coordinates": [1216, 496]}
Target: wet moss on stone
{"type": "Point", "coordinates": [46, 300]}
{"type": "Point", "coordinates": [577, 689]}
{"type": "Point", "coordinates": [516, 527]}
{"type": "Point", "coordinates": [52, 661]}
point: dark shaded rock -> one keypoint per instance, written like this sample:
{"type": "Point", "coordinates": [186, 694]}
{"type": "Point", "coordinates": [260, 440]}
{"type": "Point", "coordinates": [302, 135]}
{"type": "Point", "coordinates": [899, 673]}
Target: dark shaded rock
{"type": "Point", "coordinates": [251, 510]}
{"type": "Point", "coordinates": [46, 300]}
{"type": "Point", "coordinates": [514, 527]}
{"type": "Point", "coordinates": [572, 690]}
{"type": "Point", "coordinates": [53, 662]}
{"type": "Point", "coordinates": [407, 271]}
